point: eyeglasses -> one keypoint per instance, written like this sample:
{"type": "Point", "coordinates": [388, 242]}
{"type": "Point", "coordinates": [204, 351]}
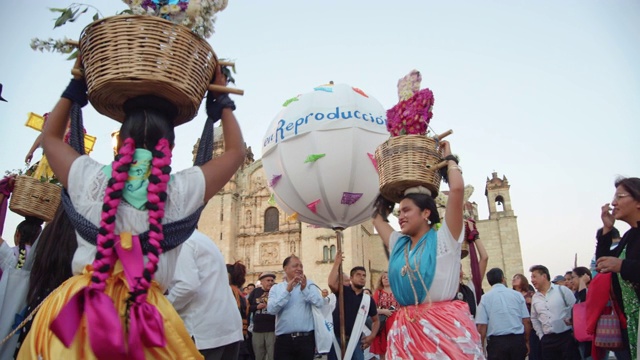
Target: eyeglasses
{"type": "Point", "coordinates": [617, 197]}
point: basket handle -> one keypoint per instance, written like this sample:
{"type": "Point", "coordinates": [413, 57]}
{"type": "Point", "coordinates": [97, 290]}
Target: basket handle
{"type": "Point", "coordinates": [437, 166]}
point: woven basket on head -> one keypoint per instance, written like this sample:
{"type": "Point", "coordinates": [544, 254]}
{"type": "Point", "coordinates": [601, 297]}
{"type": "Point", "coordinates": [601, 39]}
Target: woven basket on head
{"type": "Point", "coordinates": [126, 56]}
{"type": "Point", "coordinates": [31, 197]}
{"type": "Point", "coordinates": [404, 161]}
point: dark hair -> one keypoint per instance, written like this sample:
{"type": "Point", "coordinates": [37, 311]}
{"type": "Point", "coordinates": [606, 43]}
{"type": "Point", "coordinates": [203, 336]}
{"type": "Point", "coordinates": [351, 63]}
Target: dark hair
{"type": "Point", "coordinates": [237, 272]}
{"type": "Point", "coordinates": [29, 229]}
{"type": "Point", "coordinates": [251, 284]}
{"type": "Point", "coordinates": [495, 276]}
{"type": "Point", "coordinates": [524, 282]}
{"type": "Point", "coordinates": [286, 261]}
{"type": "Point", "coordinates": [52, 258]}
{"type": "Point", "coordinates": [541, 269]}
{"type": "Point", "coordinates": [356, 268]}
{"type": "Point", "coordinates": [567, 273]}
{"type": "Point", "coordinates": [581, 271]}
{"type": "Point", "coordinates": [425, 202]}
{"type": "Point", "coordinates": [148, 119]}
{"type": "Point", "coordinates": [631, 184]}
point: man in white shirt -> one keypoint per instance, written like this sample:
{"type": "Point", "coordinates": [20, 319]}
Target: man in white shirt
{"type": "Point", "coordinates": [200, 293]}
{"type": "Point", "coordinates": [551, 316]}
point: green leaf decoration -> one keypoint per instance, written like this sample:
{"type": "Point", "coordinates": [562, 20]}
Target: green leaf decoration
{"type": "Point", "coordinates": [314, 157]}
{"type": "Point", "coordinates": [96, 17]}
{"type": "Point", "coordinates": [74, 55]}
{"type": "Point", "coordinates": [286, 103]}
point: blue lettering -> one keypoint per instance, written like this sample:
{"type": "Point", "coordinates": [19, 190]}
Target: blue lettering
{"type": "Point", "coordinates": [280, 130]}
{"type": "Point", "coordinates": [335, 115]}
{"type": "Point", "coordinates": [298, 123]}
{"type": "Point", "coordinates": [319, 117]}
{"type": "Point", "coordinates": [364, 117]}
{"type": "Point", "coordinates": [346, 117]}
{"type": "Point", "coordinates": [289, 126]}
{"type": "Point", "coordinates": [306, 119]}
{"type": "Point", "coordinates": [355, 113]}
{"type": "Point", "coordinates": [379, 120]}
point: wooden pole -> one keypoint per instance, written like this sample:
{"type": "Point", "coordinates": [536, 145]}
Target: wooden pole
{"type": "Point", "coordinates": [343, 336]}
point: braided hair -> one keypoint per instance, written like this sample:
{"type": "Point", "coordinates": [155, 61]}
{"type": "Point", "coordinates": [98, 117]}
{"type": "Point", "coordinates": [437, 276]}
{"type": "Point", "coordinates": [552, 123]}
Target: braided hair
{"type": "Point", "coordinates": [26, 234]}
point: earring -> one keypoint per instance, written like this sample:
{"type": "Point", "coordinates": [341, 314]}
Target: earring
{"type": "Point", "coordinates": [429, 222]}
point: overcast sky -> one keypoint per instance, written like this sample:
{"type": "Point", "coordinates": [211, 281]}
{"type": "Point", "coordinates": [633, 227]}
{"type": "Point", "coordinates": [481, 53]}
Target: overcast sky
{"type": "Point", "coordinates": [546, 93]}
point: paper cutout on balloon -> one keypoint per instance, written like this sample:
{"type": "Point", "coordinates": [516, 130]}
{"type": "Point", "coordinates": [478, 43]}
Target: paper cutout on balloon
{"type": "Point", "coordinates": [272, 200]}
{"type": "Point", "coordinates": [293, 217]}
{"type": "Point", "coordinates": [313, 158]}
{"type": "Point", "coordinates": [323, 88]}
{"type": "Point", "coordinates": [289, 101]}
{"type": "Point", "coordinates": [373, 160]}
{"type": "Point", "coordinates": [349, 198]}
{"type": "Point", "coordinates": [360, 92]}
{"type": "Point", "coordinates": [313, 206]}
{"type": "Point", "coordinates": [274, 180]}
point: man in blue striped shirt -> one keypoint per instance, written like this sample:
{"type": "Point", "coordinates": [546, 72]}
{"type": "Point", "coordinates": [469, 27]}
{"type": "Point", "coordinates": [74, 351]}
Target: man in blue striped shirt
{"type": "Point", "coordinates": [291, 301]}
{"type": "Point", "coordinates": [503, 320]}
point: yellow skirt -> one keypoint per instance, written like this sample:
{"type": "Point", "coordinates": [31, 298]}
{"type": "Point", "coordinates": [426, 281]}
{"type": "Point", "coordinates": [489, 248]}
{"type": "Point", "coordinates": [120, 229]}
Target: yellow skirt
{"type": "Point", "coordinates": [42, 342]}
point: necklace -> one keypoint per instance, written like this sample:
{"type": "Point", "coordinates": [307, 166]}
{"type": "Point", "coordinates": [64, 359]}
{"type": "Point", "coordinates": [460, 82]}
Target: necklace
{"type": "Point", "coordinates": [415, 270]}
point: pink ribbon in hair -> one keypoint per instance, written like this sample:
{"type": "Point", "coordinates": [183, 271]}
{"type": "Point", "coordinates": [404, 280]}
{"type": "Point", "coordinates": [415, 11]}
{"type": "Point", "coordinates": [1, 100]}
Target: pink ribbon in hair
{"type": "Point", "coordinates": [146, 328]}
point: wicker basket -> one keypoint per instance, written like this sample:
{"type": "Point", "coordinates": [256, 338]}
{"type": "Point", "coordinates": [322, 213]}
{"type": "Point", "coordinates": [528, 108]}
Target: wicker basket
{"type": "Point", "coordinates": [31, 197]}
{"type": "Point", "coordinates": [404, 161]}
{"type": "Point", "coordinates": [126, 56]}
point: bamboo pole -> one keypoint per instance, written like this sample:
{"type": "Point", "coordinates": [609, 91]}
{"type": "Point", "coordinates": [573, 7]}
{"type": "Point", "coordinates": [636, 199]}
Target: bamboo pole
{"type": "Point", "coordinates": [444, 134]}
{"type": "Point", "coordinates": [343, 336]}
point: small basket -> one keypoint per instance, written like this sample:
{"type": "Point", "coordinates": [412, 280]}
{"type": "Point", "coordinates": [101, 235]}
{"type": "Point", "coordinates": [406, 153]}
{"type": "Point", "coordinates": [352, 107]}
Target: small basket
{"type": "Point", "coordinates": [407, 161]}
{"type": "Point", "coordinates": [126, 56]}
{"type": "Point", "coordinates": [31, 197]}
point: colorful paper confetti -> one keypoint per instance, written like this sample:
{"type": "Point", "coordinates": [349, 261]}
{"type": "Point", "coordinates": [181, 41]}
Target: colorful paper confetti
{"type": "Point", "coordinates": [323, 88]}
{"type": "Point", "coordinates": [360, 92]}
{"type": "Point", "coordinates": [272, 200]}
{"type": "Point", "coordinates": [274, 180]}
{"type": "Point", "coordinates": [286, 103]}
{"type": "Point", "coordinates": [293, 217]}
{"type": "Point", "coordinates": [313, 206]}
{"type": "Point", "coordinates": [349, 198]}
{"type": "Point", "coordinates": [373, 160]}
{"type": "Point", "coordinates": [314, 157]}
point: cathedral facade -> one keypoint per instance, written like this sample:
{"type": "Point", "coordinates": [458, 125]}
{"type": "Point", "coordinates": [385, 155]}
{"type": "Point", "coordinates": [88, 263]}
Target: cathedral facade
{"type": "Point", "coordinates": [248, 226]}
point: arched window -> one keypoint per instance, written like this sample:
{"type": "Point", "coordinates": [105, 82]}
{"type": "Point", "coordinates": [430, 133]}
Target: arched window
{"type": "Point", "coordinates": [271, 220]}
{"type": "Point", "coordinates": [332, 256]}
{"type": "Point", "coordinates": [325, 253]}
{"type": "Point", "coordinates": [499, 203]}
{"type": "Point", "coordinates": [247, 218]}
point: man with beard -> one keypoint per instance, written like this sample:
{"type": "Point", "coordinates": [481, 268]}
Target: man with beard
{"type": "Point", "coordinates": [291, 301]}
{"type": "Point", "coordinates": [353, 303]}
{"type": "Point", "coordinates": [264, 324]}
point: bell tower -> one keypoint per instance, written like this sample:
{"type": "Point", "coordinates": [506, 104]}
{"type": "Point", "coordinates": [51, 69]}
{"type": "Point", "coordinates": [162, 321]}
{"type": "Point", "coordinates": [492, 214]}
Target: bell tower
{"type": "Point", "coordinates": [498, 198]}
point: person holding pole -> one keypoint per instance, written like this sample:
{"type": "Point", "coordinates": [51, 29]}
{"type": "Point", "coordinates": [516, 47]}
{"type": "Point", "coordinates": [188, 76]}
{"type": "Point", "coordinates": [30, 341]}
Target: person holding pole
{"type": "Point", "coordinates": [424, 268]}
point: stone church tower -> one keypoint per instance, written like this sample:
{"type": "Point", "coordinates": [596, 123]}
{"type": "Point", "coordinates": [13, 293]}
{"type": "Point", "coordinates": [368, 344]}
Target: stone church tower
{"type": "Point", "coordinates": [248, 226]}
{"type": "Point", "coordinates": [499, 232]}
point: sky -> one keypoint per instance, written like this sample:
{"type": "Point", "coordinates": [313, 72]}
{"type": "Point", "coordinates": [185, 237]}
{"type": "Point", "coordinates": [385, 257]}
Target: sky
{"type": "Point", "coordinates": [546, 93]}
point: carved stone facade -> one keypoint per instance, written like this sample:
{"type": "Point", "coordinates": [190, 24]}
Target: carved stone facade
{"type": "Point", "coordinates": [240, 220]}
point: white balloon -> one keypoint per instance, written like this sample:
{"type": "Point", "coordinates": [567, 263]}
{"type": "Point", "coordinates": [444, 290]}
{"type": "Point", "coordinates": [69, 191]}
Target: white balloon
{"type": "Point", "coordinates": [345, 125]}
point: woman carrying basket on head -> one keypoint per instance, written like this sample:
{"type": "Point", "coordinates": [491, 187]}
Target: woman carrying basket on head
{"type": "Point", "coordinates": [114, 307]}
{"type": "Point", "coordinates": [424, 267]}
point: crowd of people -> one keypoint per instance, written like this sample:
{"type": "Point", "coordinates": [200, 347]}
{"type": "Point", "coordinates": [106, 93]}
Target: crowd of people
{"type": "Point", "coordinates": [122, 272]}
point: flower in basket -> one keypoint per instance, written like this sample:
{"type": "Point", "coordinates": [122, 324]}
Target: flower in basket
{"type": "Point", "coordinates": [412, 114]}
{"type": "Point", "coordinates": [197, 15]}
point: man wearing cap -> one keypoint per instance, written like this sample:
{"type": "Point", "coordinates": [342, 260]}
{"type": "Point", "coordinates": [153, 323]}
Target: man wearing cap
{"type": "Point", "coordinates": [551, 309]}
{"type": "Point", "coordinates": [559, 280]}
{"type": "Point", "coordinates": [291, 301]}
{"type": "Point", "coordinates": [264, 324]}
